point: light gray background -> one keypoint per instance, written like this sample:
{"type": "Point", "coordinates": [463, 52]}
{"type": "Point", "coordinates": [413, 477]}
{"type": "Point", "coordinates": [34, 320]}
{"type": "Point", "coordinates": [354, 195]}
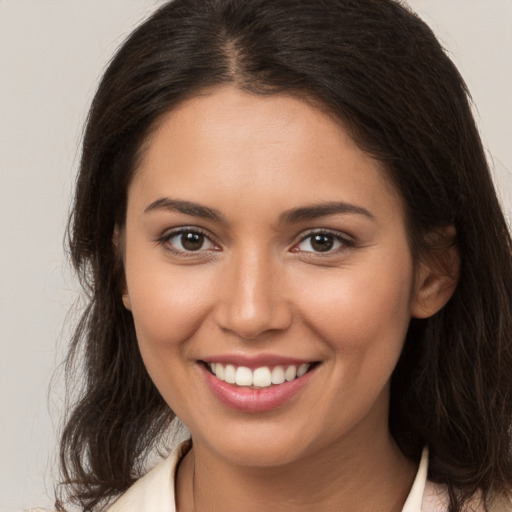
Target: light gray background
{"type": "Point", "coordinates": [51, 55]}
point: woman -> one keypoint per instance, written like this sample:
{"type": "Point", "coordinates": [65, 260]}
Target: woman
{"type": "Point", "coordinates": [291, 241]}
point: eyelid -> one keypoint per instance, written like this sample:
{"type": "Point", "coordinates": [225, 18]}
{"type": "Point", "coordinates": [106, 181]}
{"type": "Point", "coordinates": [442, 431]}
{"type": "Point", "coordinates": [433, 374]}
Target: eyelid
{"type": "Point", "coordinates": [173, 232]}
{"type": "Point", "coordinates": [346, 240]}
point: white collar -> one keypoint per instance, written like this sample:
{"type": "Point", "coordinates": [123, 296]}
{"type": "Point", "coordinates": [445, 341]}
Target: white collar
{"type": "Point", "coordinates": [154, 492]}
{"type": "Point", "coordinates": [414, 501]}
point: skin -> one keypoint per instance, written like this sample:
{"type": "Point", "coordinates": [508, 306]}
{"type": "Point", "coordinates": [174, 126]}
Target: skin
{"type": "Point", "coordinates": [257, 286]}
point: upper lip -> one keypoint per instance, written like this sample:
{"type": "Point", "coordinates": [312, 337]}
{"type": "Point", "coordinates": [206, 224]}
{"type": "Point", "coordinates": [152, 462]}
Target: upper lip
{"type": "Point", "coordinates": [256, 361]}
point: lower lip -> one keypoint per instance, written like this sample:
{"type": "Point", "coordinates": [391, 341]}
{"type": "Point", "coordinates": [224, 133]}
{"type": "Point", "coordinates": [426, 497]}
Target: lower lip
{"type": "Point", "coordinates": [255, 400]}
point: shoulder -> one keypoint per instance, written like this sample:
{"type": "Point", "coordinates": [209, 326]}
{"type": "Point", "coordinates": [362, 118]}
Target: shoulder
{"type": "Point", "coordinates": [154, 492]}
{"type": "Point", "coordinates": [500, 504]}
{"type": "Point", "coordinates": [436, 499]}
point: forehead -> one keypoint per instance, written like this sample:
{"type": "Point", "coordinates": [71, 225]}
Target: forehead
{"type": "Point", "coordinates": [229, 146]}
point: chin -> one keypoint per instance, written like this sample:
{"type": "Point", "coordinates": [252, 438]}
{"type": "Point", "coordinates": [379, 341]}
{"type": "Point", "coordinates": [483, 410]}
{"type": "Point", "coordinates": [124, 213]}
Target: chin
{"type": "Point", "coordinates": [259, 447]}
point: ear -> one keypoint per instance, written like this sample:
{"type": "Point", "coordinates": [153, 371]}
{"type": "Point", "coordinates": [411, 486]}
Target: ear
{"type": "Point", "coordinates": [437, 274]}
{"type": "Point", "coordinates": [126, 300]}
{"type": "Point", "coordinates": [118, 242]}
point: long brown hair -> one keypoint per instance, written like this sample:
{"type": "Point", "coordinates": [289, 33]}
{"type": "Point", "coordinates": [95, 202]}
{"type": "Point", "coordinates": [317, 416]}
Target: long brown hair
{"type": "Point", "coordinates": [380, 70]}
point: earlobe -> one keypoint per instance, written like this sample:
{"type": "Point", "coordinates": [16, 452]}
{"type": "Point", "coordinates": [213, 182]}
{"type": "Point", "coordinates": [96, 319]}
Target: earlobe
{"type": "Point", "coordinates": [437, 277]}
{"type": "Point", "coordinates": [126, 300]}
{"type": "Point", "coordinates": [118, 242]}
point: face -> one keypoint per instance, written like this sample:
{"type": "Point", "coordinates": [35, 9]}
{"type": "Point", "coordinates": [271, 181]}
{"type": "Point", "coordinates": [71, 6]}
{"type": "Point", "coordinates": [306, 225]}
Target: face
{"type": "Point", "coordinates": [269, 276]}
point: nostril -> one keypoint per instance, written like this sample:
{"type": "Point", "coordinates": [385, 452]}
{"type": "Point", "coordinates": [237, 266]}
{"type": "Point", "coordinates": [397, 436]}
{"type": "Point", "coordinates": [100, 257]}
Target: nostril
{"type": "Point", "coordinates": [252, 321]}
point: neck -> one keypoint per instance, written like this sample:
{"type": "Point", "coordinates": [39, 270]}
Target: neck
{"type": "Point", "coordinates": [345, 477]}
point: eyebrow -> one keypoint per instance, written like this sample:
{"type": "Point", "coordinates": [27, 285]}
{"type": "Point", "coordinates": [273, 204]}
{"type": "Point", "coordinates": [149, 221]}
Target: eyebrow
{"type": "Point", "coordinates": [322, 210]}
{"type": "Point", "coordinates": [288, 217]}
{"type": "Point", "coordinates": [186, 207]}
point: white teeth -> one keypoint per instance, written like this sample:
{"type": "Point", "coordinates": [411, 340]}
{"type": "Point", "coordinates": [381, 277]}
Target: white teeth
{"type": "Point", "coordinates": [278, 375]}
{"type": "Point", "coordinates": [243, 376]}
{"type": "Point", "coordinates": [229, 374]}
{"type": "Point", "coordinates": [290, 373]}
{"type": "Point", "coordinates": [262, 377]}
{"type": "Point", "coordinates": [303, 368]}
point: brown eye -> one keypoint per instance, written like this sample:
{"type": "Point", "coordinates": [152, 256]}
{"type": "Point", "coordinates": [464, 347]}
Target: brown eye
{"type": "Point", "coordinates": [322, 242]}
{"type": "Point", "coordinates": [189, 240]}
{"type": "Point", "coordinates": [192, 241]}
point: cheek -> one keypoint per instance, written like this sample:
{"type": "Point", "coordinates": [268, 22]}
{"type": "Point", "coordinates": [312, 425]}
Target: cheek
{"type": "Point", "coordinates": [362, 318]}
{"type": "Point", "coordinates": [168, 308]}
{"type": "Point", "coordinates": [168, 304]}
{"type": "Point", "coordinates": [357, 310]}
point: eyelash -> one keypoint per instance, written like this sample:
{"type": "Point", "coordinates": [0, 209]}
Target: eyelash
{"type": "Point", "coordinates": [345, 242]}
{"type": "Point", "coordinates": [165, 239]}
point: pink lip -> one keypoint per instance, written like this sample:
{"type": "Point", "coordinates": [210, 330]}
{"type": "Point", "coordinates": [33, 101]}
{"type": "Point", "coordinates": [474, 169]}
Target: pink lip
{"type": "Point", "coordinates": [254, 400]}
{"type": "Point", "coordinates": [256, 361]}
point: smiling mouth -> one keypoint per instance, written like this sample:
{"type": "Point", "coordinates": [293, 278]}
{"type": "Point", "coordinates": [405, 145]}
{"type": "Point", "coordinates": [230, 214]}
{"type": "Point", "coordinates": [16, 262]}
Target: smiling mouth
{"type": "Point", "coordinates": [258, 378]}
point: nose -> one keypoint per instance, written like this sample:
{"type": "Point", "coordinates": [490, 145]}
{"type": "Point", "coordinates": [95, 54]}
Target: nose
{"type": "Point", "coordinates": [253, 299]}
